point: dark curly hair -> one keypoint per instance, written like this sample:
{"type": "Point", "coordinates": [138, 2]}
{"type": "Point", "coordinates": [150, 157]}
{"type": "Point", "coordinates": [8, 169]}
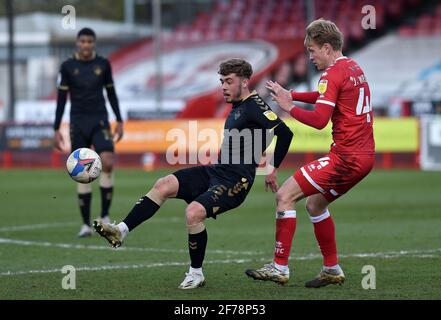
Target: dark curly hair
{"type": "Point", "coordinates": [240, 67]}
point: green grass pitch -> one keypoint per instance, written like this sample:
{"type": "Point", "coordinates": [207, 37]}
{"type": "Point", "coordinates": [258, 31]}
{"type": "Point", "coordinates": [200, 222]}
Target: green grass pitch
{"type": "Point", "coordinates": [391, 220]}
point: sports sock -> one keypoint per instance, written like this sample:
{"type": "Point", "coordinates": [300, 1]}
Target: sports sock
{"type": "Point", "coordinates": [144, 209]}
{"type": "Point", "coordinates": [197, 243]}
{"type": "Point", "coordinates": [106, 187]}
{"type": "Point", "coordinates": [324, 231]}
{"type": "Point", "coordinates": [123, 229]}
{"type": "Point", "coordinates": [195, 270]}
{"type": "Point", "coordinates": [106, 200]}
{"type": "Point", "coordinates": [284, 268]}
{"type": "Point", "coordinates": [84, 200]}
{"type": "Point", "coordinates": [285, 229]}
{"type": "Point", "coordinates": [334, 268]}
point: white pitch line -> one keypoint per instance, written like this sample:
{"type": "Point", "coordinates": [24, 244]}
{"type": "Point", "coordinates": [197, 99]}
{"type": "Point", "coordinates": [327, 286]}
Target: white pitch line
{"type": "Point", "coordinates": [37, 226]}
{"type": "Point", "coordinates": [425, 253]}
{"type": "Point", "coordinates": [95, 247]}
{"type": "Point", "coordinates": [122, 267]}
{"type": "Point", "coordinates": [69, 224]}
{"type": "Point", "coordinates": [226, 252]}
{"type": "Point", "coordinates": [385, 255]}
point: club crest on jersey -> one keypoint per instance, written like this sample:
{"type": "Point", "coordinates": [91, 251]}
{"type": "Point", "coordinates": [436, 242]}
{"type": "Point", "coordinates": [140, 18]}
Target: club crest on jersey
{"type": "Point", "coordinates": [97, 70]}
{"type": "Point", "coordinates": [270, 115]}
{"type": "Point", "coordinates": [322, 86]}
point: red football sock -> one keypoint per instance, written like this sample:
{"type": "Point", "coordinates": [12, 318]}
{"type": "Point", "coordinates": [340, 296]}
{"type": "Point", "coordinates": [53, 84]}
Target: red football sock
{"type": "Point", "coordinates": [324, 230]}
{"type": "Point", "coordinates": [285, 228]}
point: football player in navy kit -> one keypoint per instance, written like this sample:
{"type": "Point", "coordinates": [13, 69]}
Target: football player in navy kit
{"type": "Point", "coordinates": [214, 189]}
{"type": "Point", "coordinates": [83, 76]}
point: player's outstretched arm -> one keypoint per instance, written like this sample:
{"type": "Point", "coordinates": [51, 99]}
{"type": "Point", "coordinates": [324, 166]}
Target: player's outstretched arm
{"type": "Point", "coordinates": [306, 97]}
{"type": "Point", "coordinates": [282, 94]}
{"type": "Point", "coordinates": [317, 118]}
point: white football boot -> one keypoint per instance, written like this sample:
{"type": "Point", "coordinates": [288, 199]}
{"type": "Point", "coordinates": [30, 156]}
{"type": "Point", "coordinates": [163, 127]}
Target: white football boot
{"type": "Point", "coordinates": [192, 280]}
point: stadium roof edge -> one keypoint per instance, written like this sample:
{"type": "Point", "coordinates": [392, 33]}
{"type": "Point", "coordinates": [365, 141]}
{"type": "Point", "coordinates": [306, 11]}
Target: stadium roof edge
{"type": "Point", "coordinates": [47, 27]}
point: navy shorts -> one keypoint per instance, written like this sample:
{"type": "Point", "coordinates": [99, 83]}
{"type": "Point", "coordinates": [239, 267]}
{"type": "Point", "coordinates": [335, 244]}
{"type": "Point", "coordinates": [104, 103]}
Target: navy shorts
{"type": "Point", "coordinates": [216, 187]}
{"type": "Point", "coordinates": [84, 134]}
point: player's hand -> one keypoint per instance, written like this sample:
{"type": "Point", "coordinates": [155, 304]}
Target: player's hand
{"type": "Point", "coordinates": [58, 141]}
{"type": "Point", "coordinates": [271, 181]}
{"type": "Point", "coordinates": [280, 95]}
{"type": "Point", "coordinates": [119, 132]}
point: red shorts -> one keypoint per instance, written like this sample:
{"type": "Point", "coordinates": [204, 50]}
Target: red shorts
{"type": "Point", "coordinates": [333, 175]}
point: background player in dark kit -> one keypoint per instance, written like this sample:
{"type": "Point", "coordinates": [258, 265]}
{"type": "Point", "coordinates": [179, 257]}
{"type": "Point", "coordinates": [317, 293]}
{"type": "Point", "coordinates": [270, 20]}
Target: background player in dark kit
{"type": "Point", "coordinates": [84, 76]}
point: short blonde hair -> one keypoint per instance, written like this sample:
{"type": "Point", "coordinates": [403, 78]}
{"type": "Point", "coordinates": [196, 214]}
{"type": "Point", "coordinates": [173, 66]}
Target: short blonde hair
{"type": "Point", "coordinates": [324, 31]}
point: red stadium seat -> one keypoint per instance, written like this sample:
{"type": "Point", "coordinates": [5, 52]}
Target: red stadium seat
{"type": "Point", "coordinates": [394, 9]}
{"type": "Point", "coordinates": [438, 11]}
{"type": "Point", "coordinates": [406, 31]}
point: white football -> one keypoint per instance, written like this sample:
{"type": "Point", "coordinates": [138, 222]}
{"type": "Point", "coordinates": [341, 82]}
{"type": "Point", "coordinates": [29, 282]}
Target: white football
{"type": "Point", "coordinates": [84, 165]}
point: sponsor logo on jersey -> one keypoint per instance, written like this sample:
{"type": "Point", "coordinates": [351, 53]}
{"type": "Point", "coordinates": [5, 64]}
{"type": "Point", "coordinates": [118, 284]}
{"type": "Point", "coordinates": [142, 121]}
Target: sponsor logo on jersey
{"type": "Point", "coordinates": [270, 115]}
{"type": "Point", "coordinates": [322, 86]}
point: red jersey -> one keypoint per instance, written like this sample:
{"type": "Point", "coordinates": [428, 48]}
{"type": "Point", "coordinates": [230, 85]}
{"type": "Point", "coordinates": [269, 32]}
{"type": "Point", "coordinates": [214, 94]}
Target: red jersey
{"type": "Point", "coordinates": [344, 86]}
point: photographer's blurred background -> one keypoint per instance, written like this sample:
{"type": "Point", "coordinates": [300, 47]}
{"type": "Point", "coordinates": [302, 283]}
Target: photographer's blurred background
{"type": "Point", "coordinates": [165, 54]}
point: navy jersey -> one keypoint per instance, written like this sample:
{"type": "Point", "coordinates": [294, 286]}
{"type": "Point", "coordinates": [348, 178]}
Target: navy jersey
{"type": "Point", "coordinates": [85, 81]}
{"type": "Point", "coordinates": [248, 131]}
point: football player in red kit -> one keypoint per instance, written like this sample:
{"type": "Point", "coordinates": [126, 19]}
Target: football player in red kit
{"type": "Point", "coordinates": [343, 96]}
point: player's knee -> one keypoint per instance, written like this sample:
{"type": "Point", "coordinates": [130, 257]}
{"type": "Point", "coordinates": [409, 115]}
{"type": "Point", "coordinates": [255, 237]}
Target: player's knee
{"type": "Point", "coordinates": [107, 160]}
{"type": "Point", "coordinates": [166, 187]}
{"type": "Point", "coordinates": [195, 213]}
{"type": "Point", "coordinates": [108, 167]}
{"type": "Point", "coordinates": [313, 208]}
{"type": "Point", "coordinates": [283, 197]}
